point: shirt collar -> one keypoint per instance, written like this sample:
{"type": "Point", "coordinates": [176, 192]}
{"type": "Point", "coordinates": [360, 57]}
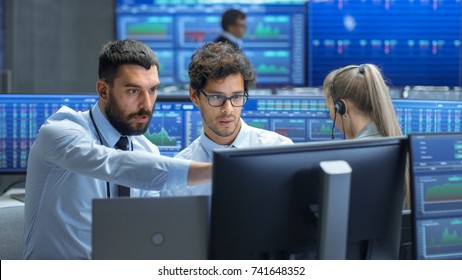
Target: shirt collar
{"type": "Point", "coordinates": [109, 134]}
{"type": "Point", "coordinates": [232, 38]}
{"type": "Point", "coordinates": [370, 130]}
{"type": "Point", "coordinates": [208, 145]}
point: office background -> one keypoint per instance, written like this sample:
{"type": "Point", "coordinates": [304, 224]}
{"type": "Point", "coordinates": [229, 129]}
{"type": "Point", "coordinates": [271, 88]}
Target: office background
{"type": "Point", "coordinates": [51, 46]}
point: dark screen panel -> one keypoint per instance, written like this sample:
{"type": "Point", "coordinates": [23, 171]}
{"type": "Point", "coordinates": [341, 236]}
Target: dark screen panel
{"type": "Point", "coordinates": [436, 164]}
{"type": "Point", "coordinates": [2, 36]}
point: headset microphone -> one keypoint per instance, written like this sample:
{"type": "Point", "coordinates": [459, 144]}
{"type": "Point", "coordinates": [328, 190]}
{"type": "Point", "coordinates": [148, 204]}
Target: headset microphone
{"type": "Point", "coordinates": [333, 127]}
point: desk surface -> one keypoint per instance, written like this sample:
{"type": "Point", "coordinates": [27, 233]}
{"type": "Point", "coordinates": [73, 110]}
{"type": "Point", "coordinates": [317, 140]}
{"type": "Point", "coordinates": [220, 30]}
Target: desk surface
{"type": "Point", "coordinates": [7, 201]}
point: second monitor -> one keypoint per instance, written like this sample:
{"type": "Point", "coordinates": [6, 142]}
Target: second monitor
{"type": "Point", "coordinates": [265, 200]}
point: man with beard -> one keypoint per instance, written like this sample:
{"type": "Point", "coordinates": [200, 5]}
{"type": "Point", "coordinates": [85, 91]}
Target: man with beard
{"type": "Point", "coordinates": [220, 77]}
{"type": "Point", "coordinates": [77, 156]}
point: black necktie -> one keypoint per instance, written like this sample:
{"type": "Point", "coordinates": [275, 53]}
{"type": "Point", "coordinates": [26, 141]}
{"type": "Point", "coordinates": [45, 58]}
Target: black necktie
{"type": "Point", "coordinates": [122, 144]}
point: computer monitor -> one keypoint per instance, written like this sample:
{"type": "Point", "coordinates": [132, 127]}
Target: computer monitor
{"type": "Point", "coordinates": [21, 118]}
{"type": "Point", "coordinates": [265, 199]}
{"type": "Point", "coordinates": [436, 179]}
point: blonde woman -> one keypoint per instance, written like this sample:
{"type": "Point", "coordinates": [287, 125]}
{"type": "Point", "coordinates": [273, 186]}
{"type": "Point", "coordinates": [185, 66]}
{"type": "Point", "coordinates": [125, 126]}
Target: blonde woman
{"type": "Point", "coordinates": [360, 106]}
{"type": "Point", "coordinates": [359, 95]}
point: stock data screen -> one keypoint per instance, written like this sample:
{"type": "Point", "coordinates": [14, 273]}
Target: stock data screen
{"type": "Point", "coordinates": [301, 118]}
{"type": "Point", "coordinates": [21, 116]}
{"type": "Point", "coordinates": [274, 42]}
{"type": "Point", "coordinates": [174, 125]}
{"type": "Point", "coordinates": [428, 115]}
{"type": "Point", "coordinates": [436, 166]}
{"type": "Point", "coordinates": [176, 122]}
{"type": "Point", "coordinates": [415, 42]}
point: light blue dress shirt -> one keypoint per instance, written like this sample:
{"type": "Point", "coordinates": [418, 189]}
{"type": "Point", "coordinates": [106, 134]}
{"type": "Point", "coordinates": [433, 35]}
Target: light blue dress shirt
{"type": "Point", "coordinates": [202, 148]}
{"type": "Point", "coordinates": [68, 167]}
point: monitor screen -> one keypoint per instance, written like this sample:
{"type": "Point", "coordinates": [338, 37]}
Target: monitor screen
{"type": "Point", "coordinates": [265, 199]}
{"type": "Point", "coordinates": [428, 115]}
{"type": "Point", "coordinates": [21, 117]}
{"type": "Point", "coordinates": [436, 179]}
{"type": "Point", "coordinates": [301, 116]}
{"type": "Point", "coordinates": [414, 42]}
{"type": "Point", "coordinates": [174, 125]}
{"type": "Point", "coordinates": [305, 118]}
{"type": "Point", "coordinates": [274, 41]}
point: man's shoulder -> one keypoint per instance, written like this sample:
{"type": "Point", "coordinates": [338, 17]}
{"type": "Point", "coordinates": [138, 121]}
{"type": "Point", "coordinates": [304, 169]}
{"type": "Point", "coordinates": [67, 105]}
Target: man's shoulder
{"type": "Point", "coordinates": [65, 119]}
{"type": "Point", "coordinates": [66, 113]}
{"type": "Point", "coordinates": [145, 144]}
{"type": "Point", "coordinates": [223, 39]}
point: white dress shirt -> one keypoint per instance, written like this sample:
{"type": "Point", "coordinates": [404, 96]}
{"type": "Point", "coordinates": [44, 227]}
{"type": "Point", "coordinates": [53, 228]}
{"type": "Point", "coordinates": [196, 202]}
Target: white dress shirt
{"type": "Point", "coordinates": [202, 148]}
{"type": "Point", "coordinates": [69, 166]}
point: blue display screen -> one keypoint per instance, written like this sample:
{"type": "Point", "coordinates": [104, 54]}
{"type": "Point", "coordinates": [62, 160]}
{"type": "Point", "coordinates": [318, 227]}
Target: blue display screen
{"type": "Point", "coordinates": [274, 42]}
{"type": "Point", "coordinates": [177, 122]}
{"type": "Point", "coordinates": [297, 43]}
{"type": "Point", "coordinates": [436, 168]}
{"type": "Point", "coordinates": [413, 42]}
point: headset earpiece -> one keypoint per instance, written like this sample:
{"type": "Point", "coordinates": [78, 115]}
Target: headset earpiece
{"type": "Point", "coordinates": [340, 106]}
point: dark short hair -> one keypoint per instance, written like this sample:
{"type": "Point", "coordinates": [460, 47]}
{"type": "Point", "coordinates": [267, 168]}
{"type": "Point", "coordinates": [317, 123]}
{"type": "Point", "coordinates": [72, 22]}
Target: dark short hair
{"type": "Point", "coordinates": [230, 17]}
{"type": "Point", "coordinates": [215, 61]}
{"type": "Point", "coordinates": [117, 53]}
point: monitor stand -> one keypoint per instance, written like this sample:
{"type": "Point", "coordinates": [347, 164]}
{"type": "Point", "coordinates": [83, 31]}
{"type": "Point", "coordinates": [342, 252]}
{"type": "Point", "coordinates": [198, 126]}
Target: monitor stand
{"type": "Point", "coordinates": [334, 209]}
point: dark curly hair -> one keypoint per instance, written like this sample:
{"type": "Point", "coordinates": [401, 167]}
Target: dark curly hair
{"type": "Point", "coordinates": [216, 61]}
{"type": "Point", "coordinates": [117, 53]}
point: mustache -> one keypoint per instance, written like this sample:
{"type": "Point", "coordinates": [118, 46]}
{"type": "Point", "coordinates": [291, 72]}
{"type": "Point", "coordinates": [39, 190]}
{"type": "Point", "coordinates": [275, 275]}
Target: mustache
{"type": "Point", "coordinates": [141, 112]}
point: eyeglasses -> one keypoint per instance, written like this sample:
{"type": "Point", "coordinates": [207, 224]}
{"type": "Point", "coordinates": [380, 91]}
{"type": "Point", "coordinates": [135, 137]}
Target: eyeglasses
{"type": "Point", "coordinates": [215, 100]}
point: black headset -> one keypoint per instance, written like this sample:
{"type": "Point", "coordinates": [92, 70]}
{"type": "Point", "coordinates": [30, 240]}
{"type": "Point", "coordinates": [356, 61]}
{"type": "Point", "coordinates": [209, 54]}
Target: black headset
{"type": "Point", "coordinates": [339, 105]}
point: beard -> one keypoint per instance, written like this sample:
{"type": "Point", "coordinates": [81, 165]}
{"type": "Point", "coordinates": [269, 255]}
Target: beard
{"type": "Point", "coordinates": [122, 123]}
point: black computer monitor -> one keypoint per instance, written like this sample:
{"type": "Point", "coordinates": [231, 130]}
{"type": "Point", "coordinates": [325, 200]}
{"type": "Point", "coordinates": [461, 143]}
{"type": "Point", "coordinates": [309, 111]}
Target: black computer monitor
{"type": "Point", "coordinates": [436, 180]}
{"type": "Point", "coordinates": [265, 199]}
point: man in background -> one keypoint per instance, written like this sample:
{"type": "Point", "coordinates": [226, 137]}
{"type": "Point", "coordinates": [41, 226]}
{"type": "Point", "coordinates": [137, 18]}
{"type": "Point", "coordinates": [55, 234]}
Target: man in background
{"type": "Point", "coordinates": [234, 27]}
